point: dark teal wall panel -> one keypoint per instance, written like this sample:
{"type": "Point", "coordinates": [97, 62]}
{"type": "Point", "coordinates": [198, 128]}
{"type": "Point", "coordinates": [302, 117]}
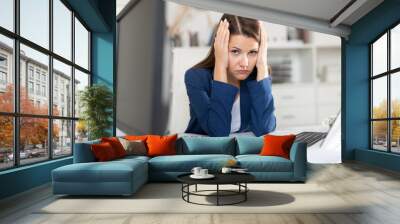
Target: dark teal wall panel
{"type": "Point", "coordinates": [104, 53]}
{"type": "Point", "coordinates": [376, 158]}
{"type": "Point", "coordinates": [24, 178]}
{"type": "Point", "coordinates": [90, 12]}
{"type": "Point", "coordinates": [356, 100]}
{"type": "Point", "coordinates": [103, 65]}
{"type": "Point", "coordinates": [102, 58]}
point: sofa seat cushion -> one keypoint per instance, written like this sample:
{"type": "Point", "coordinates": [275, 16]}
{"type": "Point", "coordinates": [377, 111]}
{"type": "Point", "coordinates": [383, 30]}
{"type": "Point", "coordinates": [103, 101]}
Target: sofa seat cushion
{"type": "Point", "coordinates": [133, 158]}
{"type": "Point", "coordinates": [111, 171]}
{"type": "Point", "coordinates": [185, 163]}
{"type": "Point", "coordinates": [257, 163]}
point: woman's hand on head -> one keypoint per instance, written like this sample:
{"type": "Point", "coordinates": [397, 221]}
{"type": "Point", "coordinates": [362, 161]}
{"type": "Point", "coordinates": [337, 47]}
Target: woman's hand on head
{"type": "Point", "coordinates": [221, 51]}
{"type": "Point", "coordinates": [262, 64]}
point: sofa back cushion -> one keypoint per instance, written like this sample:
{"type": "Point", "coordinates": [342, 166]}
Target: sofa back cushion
{"type": "Point", "coordinates": [249, 145]}
{"type": "Point", "coordinates": [206, 145]}
{"type": "Point", "coordinates": [83, 152]}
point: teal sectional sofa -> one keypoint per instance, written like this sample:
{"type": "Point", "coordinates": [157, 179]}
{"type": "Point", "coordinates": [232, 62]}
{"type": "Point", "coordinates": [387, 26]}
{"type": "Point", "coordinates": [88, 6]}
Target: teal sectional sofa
{"type": "Point", "coordinates": [125, 176]}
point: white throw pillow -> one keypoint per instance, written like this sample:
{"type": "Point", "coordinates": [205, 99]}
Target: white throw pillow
{"type": "Point", "coordinates": [134, 147]}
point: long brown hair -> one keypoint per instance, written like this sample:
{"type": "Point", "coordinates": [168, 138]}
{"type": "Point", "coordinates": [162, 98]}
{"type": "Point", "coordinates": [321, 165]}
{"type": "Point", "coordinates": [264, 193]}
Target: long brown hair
{"type": "Point", "coordinates": [237, 26]}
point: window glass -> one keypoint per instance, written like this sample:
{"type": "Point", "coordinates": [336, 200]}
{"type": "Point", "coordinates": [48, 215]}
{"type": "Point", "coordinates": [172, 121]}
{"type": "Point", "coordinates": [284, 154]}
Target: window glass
{"type": "Point", "coordinates": [379, 135]}
{"type": "Point", "coordinates": [395, 136]}
{"type": "Point", "coordinates": [81, 131]}
{"type": "Point", "coordinates": [6, 74]}
{"type": "Point", "coordinates": [395, 47]}
{"type": "Point", "coordinates": [81, 45]}
{"type": "Point", "coordinates": [81, 81]}
{"type": "Point", "coordinates": [62, 91]}
{"type": "Point", "coordinates": [379, 55]}
{"type": "Point", "coordinates": [33, 140]}
{"type": "Point", "coordinates": [395, 95]}
{"type": "Point", "coordinates": [6, 142]}
{"type": "Point", "coordinates": [379, 98]}
{"type": "Point", "coordinates": [39, 62]}
{"type": "Point", "coordinates": [62, 29]}
{"type": "Point", "coordinates": [62, 138]}
{"type": "Point", "coordinates": [34, 21]}
{"type": "Point", "coordinates": [7, 14]}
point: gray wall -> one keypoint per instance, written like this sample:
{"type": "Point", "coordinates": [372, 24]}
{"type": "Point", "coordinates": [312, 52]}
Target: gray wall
{"type": "Point", "coordinates": [140, 107]}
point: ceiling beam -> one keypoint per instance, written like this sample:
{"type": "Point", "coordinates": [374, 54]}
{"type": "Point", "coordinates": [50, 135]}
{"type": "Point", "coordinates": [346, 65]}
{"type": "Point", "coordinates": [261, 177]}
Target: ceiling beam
{"type": "Point", "coordinates": [268, 15]}
{"type": "Point", "coordinates": [346, 12]}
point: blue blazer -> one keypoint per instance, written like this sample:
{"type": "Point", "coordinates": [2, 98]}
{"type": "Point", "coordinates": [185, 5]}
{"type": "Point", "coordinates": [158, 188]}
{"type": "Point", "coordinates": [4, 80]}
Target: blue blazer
{"type": "Point", "coordinates": [211, 104]}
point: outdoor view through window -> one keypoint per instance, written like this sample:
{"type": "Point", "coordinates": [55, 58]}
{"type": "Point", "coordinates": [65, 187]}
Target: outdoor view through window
{"type": "Point", "coordinates": [40, 83]}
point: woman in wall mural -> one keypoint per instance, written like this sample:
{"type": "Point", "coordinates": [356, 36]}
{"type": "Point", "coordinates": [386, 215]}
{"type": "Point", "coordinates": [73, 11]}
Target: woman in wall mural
{"type": "Point", "coordinates": [230, 90]}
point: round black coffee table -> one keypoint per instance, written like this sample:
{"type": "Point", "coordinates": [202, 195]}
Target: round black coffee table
{"type": "Point", "coordinates": [238, 179]}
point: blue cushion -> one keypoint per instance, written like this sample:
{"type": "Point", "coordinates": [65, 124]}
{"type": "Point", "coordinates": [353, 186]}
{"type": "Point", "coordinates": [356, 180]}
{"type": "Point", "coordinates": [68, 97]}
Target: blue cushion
{"type": "Point", "coordinates": [83, 153]}
{"type": "Point", "coordinates": [206, 145]}
{"type": "Point", "coordinates": [257, 163]}
{"type": "Point", "coordinates": [249, 145]}
{"type": "Point", "coordinates": [185, 163]}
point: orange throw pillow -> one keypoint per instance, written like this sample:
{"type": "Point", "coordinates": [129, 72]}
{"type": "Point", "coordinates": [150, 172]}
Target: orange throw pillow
{"type": "Point", "coordinates": [103, 152]}
{"type": "Point", "coordinates": [161, 145]}
{"type": "Point", "coordinates": [277, 145]}
{"type": "Point", "coordinates": [136, 137]}
{"type": "Point", "coordinates": [116, 145]}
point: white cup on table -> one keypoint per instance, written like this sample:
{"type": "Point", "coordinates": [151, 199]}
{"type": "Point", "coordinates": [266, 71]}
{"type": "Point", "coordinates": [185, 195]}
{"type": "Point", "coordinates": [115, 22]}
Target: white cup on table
{"type": "Point", "coordinates": [196, 170]}
{"type": "Point", "coordinates": [203, 172]}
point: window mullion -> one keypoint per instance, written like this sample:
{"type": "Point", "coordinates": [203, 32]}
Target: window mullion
{"type": "Point", "coordinates": [73, 82]}
{"type": "Point", "coordinates": [389, 77]}
{"type": "Point", "coordinates": [16, 84]}
{"type": "Point", "coordinates": [50, 81]}
{"type": "Point", "coordinates": [370, 98]}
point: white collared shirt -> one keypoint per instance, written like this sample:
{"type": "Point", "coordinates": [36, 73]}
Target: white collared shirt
{"type": "Point", "coordinates": [235, 123]}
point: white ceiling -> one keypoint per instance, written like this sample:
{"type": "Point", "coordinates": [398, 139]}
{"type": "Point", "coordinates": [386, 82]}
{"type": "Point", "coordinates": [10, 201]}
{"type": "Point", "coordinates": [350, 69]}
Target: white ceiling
{"type": "Point", "coordinates": [319, 9]}
{"type": "Point", "coordinates": [121, 4]}
{"type": "Point", "coordinates": [313, 15]}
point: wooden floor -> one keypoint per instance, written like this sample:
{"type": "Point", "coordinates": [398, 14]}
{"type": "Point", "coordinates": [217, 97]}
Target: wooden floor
{"type": "Point", "coordinates": [378, 188]}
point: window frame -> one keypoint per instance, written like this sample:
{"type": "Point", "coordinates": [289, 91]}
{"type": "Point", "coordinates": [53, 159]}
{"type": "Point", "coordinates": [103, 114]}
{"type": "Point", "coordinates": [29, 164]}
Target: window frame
{"type": "Point", "coordinates": [388, 74]}
{"type": "Point", "coordinates": [16, 114]}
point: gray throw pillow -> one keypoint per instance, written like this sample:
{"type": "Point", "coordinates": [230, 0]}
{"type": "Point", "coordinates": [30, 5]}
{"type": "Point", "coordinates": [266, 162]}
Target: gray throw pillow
{"type": "Point", "coordinates": [134, 147]}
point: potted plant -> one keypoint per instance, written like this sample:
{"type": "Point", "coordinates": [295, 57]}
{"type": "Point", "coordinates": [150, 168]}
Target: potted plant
{"type": "Point", "coordinates": [96, 102]}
